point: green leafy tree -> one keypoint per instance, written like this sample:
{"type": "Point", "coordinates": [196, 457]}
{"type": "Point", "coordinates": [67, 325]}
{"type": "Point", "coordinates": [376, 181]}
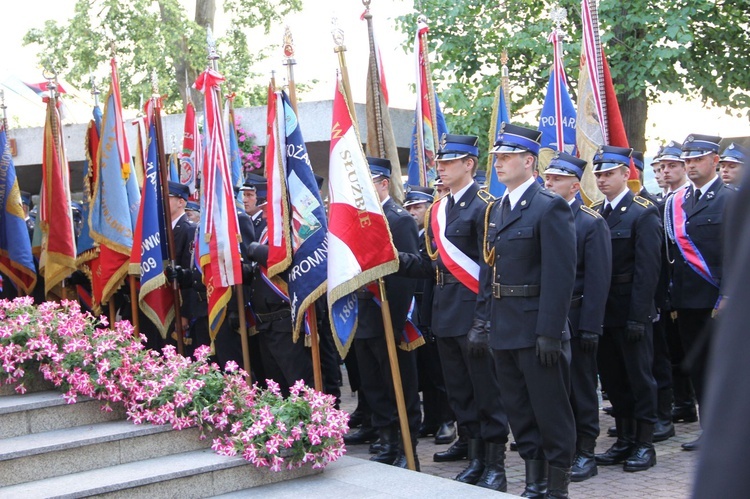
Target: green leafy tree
{"type": "Point", "coordinates": [697, 48]}
{"type": "Point", "coordinates": [157, 35]}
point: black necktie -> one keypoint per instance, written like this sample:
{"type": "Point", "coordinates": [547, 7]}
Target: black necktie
{"type": "Point", "coordinates": [505, 209]}
{"type": "Point", "coordinates": [697, 196]}
{"type": "Point", "coordinates": [607, 211]}
{"type": "Point", "coordinates": [451, 202]}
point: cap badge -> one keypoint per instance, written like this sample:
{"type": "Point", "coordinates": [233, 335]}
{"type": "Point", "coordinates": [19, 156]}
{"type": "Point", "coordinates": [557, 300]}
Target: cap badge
{"type": "Point", "coordinates": [731, 146]}
{"type": "Point", "coordinates": [709, 194]}
{"type": "Point", "coordinates": [690, 138]}
{"type": "Point", "coordinates": [443, 140]}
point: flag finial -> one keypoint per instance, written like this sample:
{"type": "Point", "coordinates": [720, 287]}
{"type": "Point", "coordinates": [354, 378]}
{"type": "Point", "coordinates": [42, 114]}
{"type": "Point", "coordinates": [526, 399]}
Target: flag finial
{"type": "Point", "coordinates": [288, 44]}
{"type": "Point", "coordinates": [338, 35]}
{"type": "Point", "coordinates": [4, 109]}
{"type": "Point", "coordinates": [154, 84]}
{"type": "Point", "coordinates": [558, 15]}
{"type": "Point", "coordinates": [211, 43]}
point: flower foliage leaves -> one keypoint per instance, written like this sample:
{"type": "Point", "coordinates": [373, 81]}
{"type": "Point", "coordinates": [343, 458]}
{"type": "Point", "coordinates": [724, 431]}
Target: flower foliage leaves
{"type": "Point", "coordinates": [82, 356]}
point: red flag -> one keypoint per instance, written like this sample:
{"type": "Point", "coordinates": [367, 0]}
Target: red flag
{"type": "Point", "coordinates": [57, 249]}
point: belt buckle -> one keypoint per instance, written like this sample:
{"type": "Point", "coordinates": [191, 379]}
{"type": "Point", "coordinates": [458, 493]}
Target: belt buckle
{"type": "Point", "coordinates": [440, 278]}
{"type": "Point", "coordinates": [496, 291]}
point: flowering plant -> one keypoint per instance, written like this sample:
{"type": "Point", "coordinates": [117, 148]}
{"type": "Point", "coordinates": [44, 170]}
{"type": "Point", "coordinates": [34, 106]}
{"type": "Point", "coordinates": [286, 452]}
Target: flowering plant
{"type": "Point", "coordinates": [78, 353]}
{"type": "Point", "coordinates": [250, 153]}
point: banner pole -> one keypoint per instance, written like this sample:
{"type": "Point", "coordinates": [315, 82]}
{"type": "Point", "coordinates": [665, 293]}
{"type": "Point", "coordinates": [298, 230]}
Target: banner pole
{"type": "Point", "coordinates": [134, 305]}
{"type": "Point", "coordinates": [240, 293]}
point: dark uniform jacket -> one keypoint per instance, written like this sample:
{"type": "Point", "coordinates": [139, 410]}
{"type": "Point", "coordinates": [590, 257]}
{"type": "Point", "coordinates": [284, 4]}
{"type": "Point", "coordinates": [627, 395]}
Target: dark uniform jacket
{"type": "Point", "coordinates": [400, 290]}
{"type": "Point", "coordinates": [636, 232]}
{"type": "Point", "coordinates": [704, 226]}
{"type": "Point", "coordinates": [453, 303]}
{"type": "Point", "coordinates": [535, 246]}
{"type": "Point", "coordinates": [184, 239]}
{"type": "Point", "coordinates": [593, 270]}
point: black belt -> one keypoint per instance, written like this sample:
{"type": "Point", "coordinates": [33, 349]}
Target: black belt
{"type": "Point", "coordinates": [576, 301]}
{"type": "Point", "coordinates": [443, 278]}
{"type": "Point", "coordinates": [201, 295]}
{"type": "Point", "coordinates": [363, 294]}
{"type": "Point", "coordinates": [274, 316]}
{"type": "Point", "coordinates": [622, 278]}
{"type": "Point", "coordinates": [523, 290]}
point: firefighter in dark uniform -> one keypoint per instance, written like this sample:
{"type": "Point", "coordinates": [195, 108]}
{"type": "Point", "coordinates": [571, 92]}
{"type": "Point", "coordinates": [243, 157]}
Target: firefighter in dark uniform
{"type": "Point", "coordinates": [473, 391]}
{"type": "Point", "coordinates": [662, 368]}
{"type": "Point", "coordinates": [370, 344]}
{"type": "Point", "coordinates": [626, 350]}
{"type": "Point", "coordinates": [531, 252]}
{"type": "Point", "coordinates": [732, 164]}
{"type": "Point", "coordinates": [593, 272]}
{"type": "Point", "coordinates": [438, 420]}
{"type": "Point", "coordinates": [254, 193]}
{"type": "Point", "coordinates": [696, 230]}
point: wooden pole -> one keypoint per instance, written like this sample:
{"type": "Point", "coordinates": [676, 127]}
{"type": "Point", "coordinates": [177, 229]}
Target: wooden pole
{"type": "Point", "coordinates": [134, 305]}
{"type": "Point", "coordinates": [243, 331]}
{"type": "Point", "coordinates": [396, 377]}
{"type": "Point", "coordinates": [112, 313]}
{"type": "Point", "coordinates": [163, 172]}
{"type": "Point", "coordinates": [340, 50]}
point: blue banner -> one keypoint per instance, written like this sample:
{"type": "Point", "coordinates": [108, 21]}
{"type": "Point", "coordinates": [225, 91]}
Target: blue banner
{"type": "Point", "coordinates": [85, 241]}
{"type": "Point", "coordinates": [548, 119]}
{"type": "Point", "coordinates": [495, 187]}
{"type": "Point", "coordinates": [16, 261]}
{"type": "Point", "coordinates": [308, 226]}
{"type": "Point", "coordinates": [412, 170]}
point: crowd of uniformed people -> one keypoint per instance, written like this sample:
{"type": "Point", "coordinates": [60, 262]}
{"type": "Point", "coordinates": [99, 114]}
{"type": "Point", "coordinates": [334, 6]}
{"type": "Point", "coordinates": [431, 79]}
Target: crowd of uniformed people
{"type": "Point", "coordinates": [528, 305]}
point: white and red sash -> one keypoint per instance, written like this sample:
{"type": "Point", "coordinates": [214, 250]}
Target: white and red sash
{"type": "Point", "coordinates": [463, 268]}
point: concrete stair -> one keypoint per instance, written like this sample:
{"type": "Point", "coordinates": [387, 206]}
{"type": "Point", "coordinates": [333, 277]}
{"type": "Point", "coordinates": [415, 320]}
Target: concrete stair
{"type": "Point", "coordinates": [49, 448]}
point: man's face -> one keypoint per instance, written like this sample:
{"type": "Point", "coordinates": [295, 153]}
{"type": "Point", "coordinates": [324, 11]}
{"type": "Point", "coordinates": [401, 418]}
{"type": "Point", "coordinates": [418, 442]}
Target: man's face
{"type": "Point", "coordinates": [442, 190]}
{"type": "Point", "coordinates": [564, 185]}
{"type": "Point", "coordinates": [673, 173]}
{"type": "Point", "coordinates": [454, 172]}
{"type": "Point", "coordinates": [730, 172]}
{"type": "Point", "coordinates": [250, 200]}
{"type": "Point", "coordinates": [193, 216]}
{"type": "Point", "coordinates": [612, 182]}
{"type": "Point", "coordinates": [658, 175]}
{"type": "Point", "coordinates": [701, 169]}
{"type": "Point", "coordinates": [513, 169]}
{"type": "Point", "coordinates": [381, 186]}
{"type": "Point", "coordinates": [417, 212]}
{"type": "Point", "coordinates": [176, 206]}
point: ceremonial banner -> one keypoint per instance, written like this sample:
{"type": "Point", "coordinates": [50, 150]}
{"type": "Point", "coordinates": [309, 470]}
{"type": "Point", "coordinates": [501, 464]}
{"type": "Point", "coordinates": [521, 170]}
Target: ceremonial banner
{"type": "Point", "coordinates": [599, 121]}
{"type": "Point", "coordinates": [277, 213]}
{"type": "Point", "coordinates": [558, 119]}
{"type": "Point", "coordinates": [174, 167]}
{"type": "Point", "coordinates": [115, 201]}
{"type": "Point", "coordinates": [190, 159]}
{"type": "Point", "coordinates": [235, 158]}
{"type": "Point", "coordinates": [150, 239]}
{"type": "Point", "coordinates": [219, 241]}
{"type": "Point", "coordinates": [56, 241]}
{"type": "Point", "coordinates": [87, 249]}
{"type": "Point", "coordinates": [499, 115]}
{"type": "Point", "coordinates": [16, 260]}
{"type": "Point", "coordinates": [381, 143]}
{"type": "Point", "coordinates": [429, 123]}
{"type": "Point", "coordinates": [359, 241]}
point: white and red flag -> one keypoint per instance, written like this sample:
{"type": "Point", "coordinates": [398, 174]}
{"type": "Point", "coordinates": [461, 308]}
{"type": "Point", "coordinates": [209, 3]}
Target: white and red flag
{"type": "Point", "coordinates": [360, 247]}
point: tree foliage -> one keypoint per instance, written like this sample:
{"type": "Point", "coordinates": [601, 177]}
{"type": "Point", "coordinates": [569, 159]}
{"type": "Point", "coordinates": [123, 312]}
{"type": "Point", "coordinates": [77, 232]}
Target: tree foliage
{"type": "Point", "coordinates": [157, 36]}
{"type": "Point", "coordinates": [697, 48]}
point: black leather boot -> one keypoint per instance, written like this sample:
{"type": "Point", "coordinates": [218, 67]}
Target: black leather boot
{"type": "Point", "coordinates": [446, 433]}
{"type": "Point", "coordinates": [536, 479]}
{"type": "Point", "coordinates": [401, 462]}
{"type": "Point", "coordinates": [363, 435]}
{"type": "Point", "coordinates": [389, 453]}
{"type": "Point", "coordinates": [623, 446]}
{"type": "Point", "coordinates": [494, 468]}
{"type": "Point", "coordinates": [456, 452]}
{"type": "Point", "coordinates": [559, 479]}
{"type": "Point", "coordinates": [692, 446]}
{"type": "Point", "coordinates": [584, 464]}
{"type": "Point", "coordinates": [684, 399]}
{"type": "Point", "coordinates": [644, 455]}
{"type": "Point", "coordinates": [664, 428]}
{"type": "Point", "coordinates": [474, 471]}
{"type": "Point", "coordinates": [375, 447]}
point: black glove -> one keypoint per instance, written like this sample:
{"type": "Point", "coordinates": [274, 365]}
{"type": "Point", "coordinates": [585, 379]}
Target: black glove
{"type": "Point", "coordinates": [635, 331]}
{"type": "Point", "coordinates": [589, 341]}
{"type": "Point", "coordinates": [77, 278]}
{"type": "Point", "coordinates": [172, 273]}
{"type": "Point", "coordinates": [478, 338]}
{"type": "Point", "coordinates": [548, 350]}
{"type": "Point", "coordinates": [183, 276]}
{"type": "Point", "coordinates": [248, 273]}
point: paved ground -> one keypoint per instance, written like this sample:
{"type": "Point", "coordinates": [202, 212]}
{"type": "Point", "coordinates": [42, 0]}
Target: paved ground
{"type": "Point", "coordinates": [671, 477]}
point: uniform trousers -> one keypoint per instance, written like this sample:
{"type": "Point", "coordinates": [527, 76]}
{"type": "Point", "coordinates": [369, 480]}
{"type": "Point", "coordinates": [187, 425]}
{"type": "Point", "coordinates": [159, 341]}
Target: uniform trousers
{"type": "Point", "coordinates": [537, 400]}
{"type": "Point", "coordinates": [377, 383]}
{"type": "Point", "coordinates": [432, 384]}
{"type": "Point", "coordinates": [473, 391]}
{"type": "Point", "coordinates": [626, 369]}
{"type": "Point", "coordinates": [696, 326]}
{"type": "Point", "coordinates": [662, 368]}
{"type": "Point", "coordinates": [284, 361]}
{"type": "Point", "coordinates": [583, 382]}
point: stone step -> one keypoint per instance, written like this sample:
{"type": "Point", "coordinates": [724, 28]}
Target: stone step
{"type": "Point", "coordinates": [47, 410]}
{"type": "Point", "coordinates": [35, 383]}
{"type": "Point", "coordinates": [200, 473]}
{"type": "Point", "coordinates": [70, 450]}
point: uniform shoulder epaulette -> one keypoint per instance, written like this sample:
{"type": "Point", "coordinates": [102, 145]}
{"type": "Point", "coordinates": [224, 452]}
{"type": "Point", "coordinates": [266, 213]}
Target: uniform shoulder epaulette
{"type": "Point", "coordinates": [485, 196]}
{"type": "Point", "coordinates": [643, 201]}
{"type": "Point", "coordinates": [590, 211]}
{"type": "Point", "coordinates": [597, 203]}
